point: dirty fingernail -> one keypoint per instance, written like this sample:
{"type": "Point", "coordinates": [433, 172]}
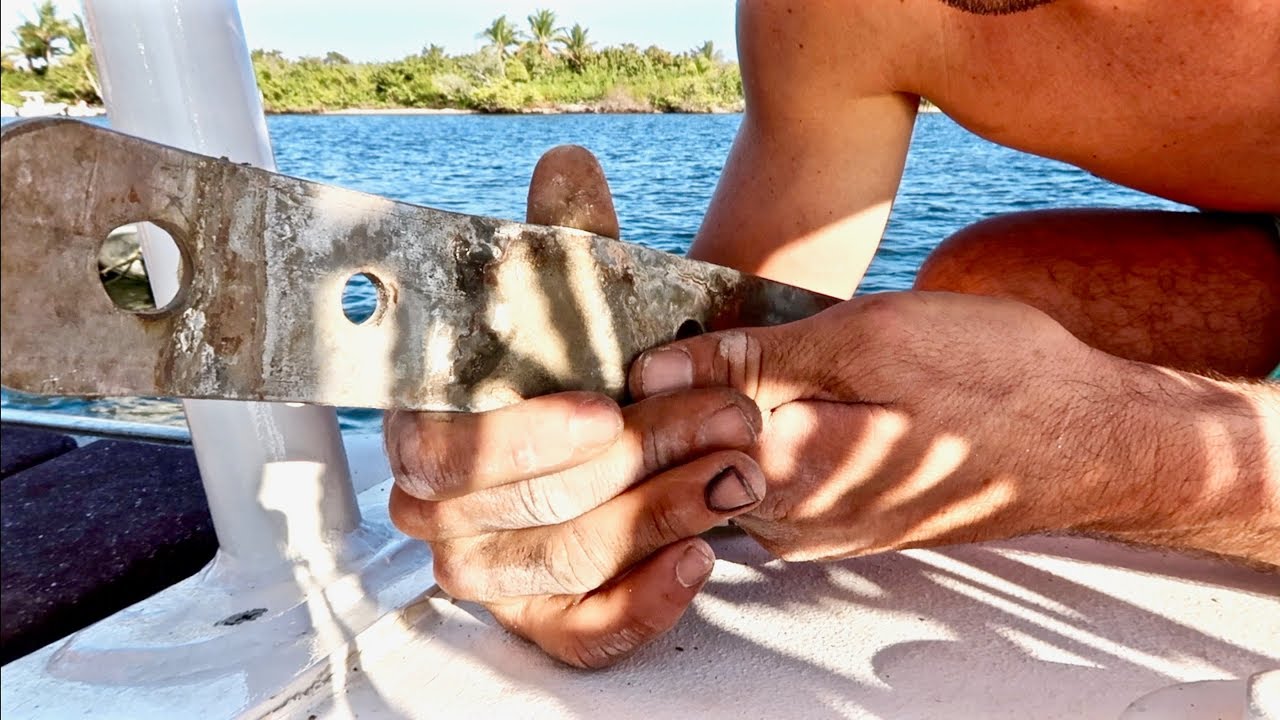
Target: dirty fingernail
{"type": "Point", "coordinates": [730, 491]}
{"type": "Point", "coordinates": [666, 370]}
{"type": "Point", "coordinates": [694, 565]}
{"type": "Point", "coordinates": [596, 421]}
{"type": "Point", "coordinates": [728, 427]}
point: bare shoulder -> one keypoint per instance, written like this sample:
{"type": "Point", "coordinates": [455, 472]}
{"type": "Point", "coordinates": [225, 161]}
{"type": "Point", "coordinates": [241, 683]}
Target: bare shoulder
{"type": "Point", "coordinates": [818, 55]}
{"type": "Point", "coordinates": [1175, 98]}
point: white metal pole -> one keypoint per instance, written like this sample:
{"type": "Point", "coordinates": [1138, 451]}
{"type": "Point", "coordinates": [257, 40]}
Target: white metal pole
{"type": "Point", "coordinates": [179, 72]}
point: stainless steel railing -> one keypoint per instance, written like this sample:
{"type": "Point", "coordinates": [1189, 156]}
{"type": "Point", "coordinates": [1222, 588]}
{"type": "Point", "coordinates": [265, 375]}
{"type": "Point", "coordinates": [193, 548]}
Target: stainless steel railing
{"type": "Point", "coordinates": [97, 427]}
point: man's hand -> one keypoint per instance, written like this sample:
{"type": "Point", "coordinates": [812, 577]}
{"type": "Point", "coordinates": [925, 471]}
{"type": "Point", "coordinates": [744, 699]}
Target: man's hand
{"type": "Point", "coordinates": [576, 525]}
{"type": "Point", "coordinates": [573, 521]}
{"type": "Point", "coordinates": [915, 419]}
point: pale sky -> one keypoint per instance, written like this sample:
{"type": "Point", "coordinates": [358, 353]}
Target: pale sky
{"type": "Point", "coordinates": [391, 29]}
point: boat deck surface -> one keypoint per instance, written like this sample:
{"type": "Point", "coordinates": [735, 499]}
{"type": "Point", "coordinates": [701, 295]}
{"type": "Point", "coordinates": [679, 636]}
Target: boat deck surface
{"type": "Point", "coordinates": [1047, 627]}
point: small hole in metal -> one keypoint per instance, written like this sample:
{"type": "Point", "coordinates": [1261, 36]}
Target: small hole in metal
{"type": "Point", "coordinates": [689, 328]}
{"type": "Point", "coordinates": [363, 298]}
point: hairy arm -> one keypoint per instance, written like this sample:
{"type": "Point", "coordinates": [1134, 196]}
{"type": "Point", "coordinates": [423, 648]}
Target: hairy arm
{"type": "Point", "coordinates": [1206, 465]}
{"type": "Point", "coordinates": [919, 419]}
{"type": "Point", "coordinates": [809, 183]}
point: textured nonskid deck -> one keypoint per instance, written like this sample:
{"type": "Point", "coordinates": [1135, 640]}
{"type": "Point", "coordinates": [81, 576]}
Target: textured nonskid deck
{"type": "Point", "coordinates": [1043, 627]}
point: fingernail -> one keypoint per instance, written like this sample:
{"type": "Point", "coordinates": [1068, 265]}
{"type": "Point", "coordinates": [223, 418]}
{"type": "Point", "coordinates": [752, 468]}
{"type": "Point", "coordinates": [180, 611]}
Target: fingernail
{"type": "Point", "coordinates": [666, 370]}
{"type": "Point", "coordinates": [594, 422]}
{"type": "Point", "coordinates": [730, 491]}
{"type": "Point", "coordinates": [728, 427]}
{"type": "Point", "coordinates": [694, 565]}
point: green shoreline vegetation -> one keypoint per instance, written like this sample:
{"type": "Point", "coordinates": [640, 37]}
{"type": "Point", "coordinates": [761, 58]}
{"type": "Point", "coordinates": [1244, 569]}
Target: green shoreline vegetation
{"type": "Point", "coordinates": [541, 67]}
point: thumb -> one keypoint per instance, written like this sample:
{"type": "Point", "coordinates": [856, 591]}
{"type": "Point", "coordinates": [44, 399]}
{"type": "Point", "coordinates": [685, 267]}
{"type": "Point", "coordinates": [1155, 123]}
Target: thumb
{"type": "Point", "coordinates": [569, 189]}
{"type": "Point", "coordinates": [770, 365]}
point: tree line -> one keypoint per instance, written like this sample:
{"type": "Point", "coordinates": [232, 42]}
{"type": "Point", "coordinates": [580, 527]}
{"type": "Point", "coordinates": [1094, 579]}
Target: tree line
{"type": "Point", "coordinates": [50, 54]}
{"type": "Point", "coordinates": [542, 65]}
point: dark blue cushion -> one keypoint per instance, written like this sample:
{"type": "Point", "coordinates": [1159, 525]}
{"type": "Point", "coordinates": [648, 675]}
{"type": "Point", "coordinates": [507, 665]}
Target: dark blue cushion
{"type": "Point", "coordinates": [93, 531]}
{"type": "Point", "coordinates": [21, 448]}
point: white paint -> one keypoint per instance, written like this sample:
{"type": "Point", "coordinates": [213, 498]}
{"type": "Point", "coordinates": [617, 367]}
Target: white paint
{"type": "Point", "coordinates": [190, 338]}
{"type": "Point", "coordinates": [1254, 698]}
{"type": "Point", "coordinates": [178, 72]}
{"type": "Point", "coordinates": [168, 656]}
{"type": "Point", "coordinates": [276, 475]}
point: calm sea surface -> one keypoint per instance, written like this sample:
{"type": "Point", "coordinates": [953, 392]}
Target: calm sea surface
{"type": "Point", "coordinates": [662, 168]}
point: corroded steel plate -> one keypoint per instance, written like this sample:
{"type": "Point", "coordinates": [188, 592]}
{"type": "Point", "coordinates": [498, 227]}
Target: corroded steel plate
{"type": "Point", "coordinates": [473, 313]}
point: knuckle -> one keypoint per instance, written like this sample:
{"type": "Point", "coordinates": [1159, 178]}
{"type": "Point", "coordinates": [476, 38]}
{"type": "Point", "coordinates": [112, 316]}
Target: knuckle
{"type": "Point", "coordinates": [523, 454]}
{"type": "Point", "coordinates": [422, 519]}
{"type": "Point", "coordinates": [883, 313]}
{"type": "Point", "coordinates": [404, 513]}
{"type": "Point", "coordinates": [653, 449]}
{"type": "Point", "coordinates": [456, 575]}
{"type": "Point", "coordinates": [739, 358]}
{"type": "Point", "coordinates": [423, 483]}
{"type": "Point", "coordinates": [774, 508]}
{"type": "Point", "coordinates": [667, 521]}
{"type": "Point", "coordinates": [573, 562]}
{"type": "Point", "coordinates": [672, 427]}
{"type": "Point", "coordinates": [540, 501]}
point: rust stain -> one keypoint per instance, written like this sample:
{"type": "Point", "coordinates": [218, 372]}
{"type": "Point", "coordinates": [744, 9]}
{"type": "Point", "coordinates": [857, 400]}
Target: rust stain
{"type": "Point", "coordinates": [485, 311]}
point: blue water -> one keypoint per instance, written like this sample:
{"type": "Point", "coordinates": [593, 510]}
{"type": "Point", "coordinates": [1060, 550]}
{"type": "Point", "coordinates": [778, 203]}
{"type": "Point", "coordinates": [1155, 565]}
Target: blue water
{"type": "Point", "coordinates": [662, 168]}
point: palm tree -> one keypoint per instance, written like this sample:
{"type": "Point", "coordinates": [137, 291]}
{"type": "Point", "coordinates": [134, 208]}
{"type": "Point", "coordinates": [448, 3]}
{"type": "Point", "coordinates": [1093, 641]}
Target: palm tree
{"type": "Point", "coordinates": [576, 46]}
{"type": "Point", "coordinates": [706, 56]}
{"type": "Point", "coordinates": [708, 51]}
{"type": "Point", "coordinates": [48, 36]}
{"type": "Point", "coordinates": [502, 35]}
{"type": "Point", "coordinates": [542, 32]}
{"type": "Point", "coordinates": [82, 54]}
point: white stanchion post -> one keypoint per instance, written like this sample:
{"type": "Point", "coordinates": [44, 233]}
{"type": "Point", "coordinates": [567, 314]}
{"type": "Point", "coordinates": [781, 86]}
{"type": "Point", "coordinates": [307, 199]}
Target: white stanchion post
{"type": "Point", "coordinates": [179, 72]}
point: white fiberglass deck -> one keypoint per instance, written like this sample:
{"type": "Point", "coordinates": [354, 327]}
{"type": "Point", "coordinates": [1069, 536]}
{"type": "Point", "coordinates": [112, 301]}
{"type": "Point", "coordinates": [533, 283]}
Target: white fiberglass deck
{"type": "Point", "coordinates": [1041, 627]}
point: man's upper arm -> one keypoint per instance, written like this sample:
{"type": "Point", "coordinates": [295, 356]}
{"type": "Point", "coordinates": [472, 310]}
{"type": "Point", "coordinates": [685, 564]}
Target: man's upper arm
{"type": "Point", "coordinates": [810, 180]}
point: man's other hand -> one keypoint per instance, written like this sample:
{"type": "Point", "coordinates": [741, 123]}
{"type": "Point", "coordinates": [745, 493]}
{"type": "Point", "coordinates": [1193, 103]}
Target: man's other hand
{"type": "Point", "coordinates": [913, 419]}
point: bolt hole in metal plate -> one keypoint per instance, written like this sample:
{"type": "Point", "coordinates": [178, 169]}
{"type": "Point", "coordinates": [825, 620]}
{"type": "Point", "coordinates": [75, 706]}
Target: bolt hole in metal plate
{"type": "Point", "coordinates": [689, 328]}
{"type": "Point", "coordinates": [123, 271]}
{"type": "Point", "coordinates": [447, 311]}
{"type": "Point", "coordinates": [122, 268]}
{"type": "Point", "coordinates": [364, 298]}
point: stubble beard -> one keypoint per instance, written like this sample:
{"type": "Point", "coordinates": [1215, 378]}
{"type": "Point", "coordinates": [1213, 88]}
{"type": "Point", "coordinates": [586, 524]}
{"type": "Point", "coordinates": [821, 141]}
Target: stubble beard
{"type": "Point", "coordinates": [995, 7]}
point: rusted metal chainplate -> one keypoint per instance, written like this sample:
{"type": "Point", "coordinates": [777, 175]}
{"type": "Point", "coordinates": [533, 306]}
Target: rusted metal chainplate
{"type": "Point", "coordinates": [474, 313]}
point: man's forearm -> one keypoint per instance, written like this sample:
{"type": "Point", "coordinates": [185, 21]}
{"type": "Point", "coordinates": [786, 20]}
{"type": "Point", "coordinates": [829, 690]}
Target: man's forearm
{"type": "Point", "coordinates": [1205, 464]}
{"type": "Point", "coordinates": [807, 207]}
